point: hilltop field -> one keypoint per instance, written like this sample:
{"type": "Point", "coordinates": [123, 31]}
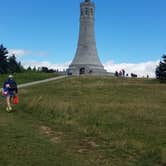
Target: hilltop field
{"type": "Point", "coordinates": [86, 121]}
{"type": "Point", "coordinates": [28, 76]}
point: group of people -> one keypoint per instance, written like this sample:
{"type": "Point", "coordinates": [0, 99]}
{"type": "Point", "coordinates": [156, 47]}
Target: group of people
{"type": "Point", "coordinates": [121, 73]}
{"type": "Point", "coordinates": [10, 92]}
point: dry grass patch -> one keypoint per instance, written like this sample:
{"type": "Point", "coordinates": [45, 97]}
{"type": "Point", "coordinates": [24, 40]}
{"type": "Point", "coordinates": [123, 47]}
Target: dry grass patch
{"type": "Point", "coordinates": [55, 137]}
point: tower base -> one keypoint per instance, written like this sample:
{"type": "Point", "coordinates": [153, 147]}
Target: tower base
{"type": "Point", "coordinates": [86, 69]}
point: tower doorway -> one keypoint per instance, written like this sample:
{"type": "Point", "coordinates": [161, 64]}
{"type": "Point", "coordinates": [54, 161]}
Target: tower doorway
{"type": "Point", "coordinates": [82, 70]}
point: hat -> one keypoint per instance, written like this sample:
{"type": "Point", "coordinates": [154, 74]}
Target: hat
{"type": "Point", "coordinates": [10, 76]}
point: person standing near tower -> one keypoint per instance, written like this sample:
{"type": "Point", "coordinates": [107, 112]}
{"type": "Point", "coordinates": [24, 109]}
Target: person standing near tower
{"type": "Point", "coordinates": [10, 90]}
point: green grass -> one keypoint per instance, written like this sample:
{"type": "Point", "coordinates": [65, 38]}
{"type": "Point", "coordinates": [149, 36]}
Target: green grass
{"type": "Point", "coordinates": [87, 121]}
{"type": "Point", "coordinates": [27, 77]}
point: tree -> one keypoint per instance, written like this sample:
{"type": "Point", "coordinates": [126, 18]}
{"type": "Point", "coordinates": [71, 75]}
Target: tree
{"type": "Point", "coordinates": [29, 68]}
{"type": "Point", "coordinates": [21, 68]}
{"type": "Point", "coordinates": [44, 69]}
{"type": "Point", "coordinates": [8, 64]}
{"type": "Point", "coordinates": [14, 66]}
{"type": "Point", "coordinates": [12, 63]}
{"type": "Point", "coordinates": [34, 69]}
{"type": "Point", "coordinates": [161, 70]}
{"type": "Point", "coordinates": [3, 60]}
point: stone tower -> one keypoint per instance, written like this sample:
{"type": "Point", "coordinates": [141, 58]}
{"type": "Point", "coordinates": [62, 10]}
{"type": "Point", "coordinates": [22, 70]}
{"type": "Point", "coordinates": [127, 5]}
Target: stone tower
{"type": "Point", "coordinates": [86, 60]}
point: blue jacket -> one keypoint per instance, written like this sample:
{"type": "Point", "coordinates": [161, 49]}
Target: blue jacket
{"type": "Point", "coordinates": [12, 85]}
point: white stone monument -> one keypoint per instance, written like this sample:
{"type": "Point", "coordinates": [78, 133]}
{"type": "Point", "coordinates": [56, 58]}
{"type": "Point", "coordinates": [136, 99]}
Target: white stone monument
{"type": "Point", "coordinates": [86, 60]}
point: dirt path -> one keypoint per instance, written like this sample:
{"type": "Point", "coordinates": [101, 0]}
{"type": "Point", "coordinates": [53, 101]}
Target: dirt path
{"type": "Point", "coordinates": [39, 82]}
{"type": "Point", "coordinates": [42, 81]}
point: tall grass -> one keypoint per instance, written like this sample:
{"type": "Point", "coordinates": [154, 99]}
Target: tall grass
{"type": "Point", "coordinates": [98, 121]}
{"type": "Point", "coordinates": [114, 121]}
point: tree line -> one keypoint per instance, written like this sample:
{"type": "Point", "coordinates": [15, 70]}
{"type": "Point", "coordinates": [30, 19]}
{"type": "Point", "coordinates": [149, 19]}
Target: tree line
{"type": "Point", "coordinates": [8, 64]}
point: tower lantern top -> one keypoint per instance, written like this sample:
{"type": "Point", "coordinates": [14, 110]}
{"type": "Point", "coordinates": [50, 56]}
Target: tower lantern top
{"type": "Point", "coordinates": [87, 0]}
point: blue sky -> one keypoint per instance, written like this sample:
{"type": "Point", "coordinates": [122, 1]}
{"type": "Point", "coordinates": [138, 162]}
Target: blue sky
{"type": "Point", "coordinates": [128, 32]}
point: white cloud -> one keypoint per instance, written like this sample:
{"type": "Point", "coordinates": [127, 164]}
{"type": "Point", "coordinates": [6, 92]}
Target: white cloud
{"type": "Point", "coordinates": [141, 69]}
{"type": "Point", "coordinates": [22, 52]}
{"type": "Point", "coordinates": [48, 64]}
{"type": "Point", "coordinates": [17, 52]}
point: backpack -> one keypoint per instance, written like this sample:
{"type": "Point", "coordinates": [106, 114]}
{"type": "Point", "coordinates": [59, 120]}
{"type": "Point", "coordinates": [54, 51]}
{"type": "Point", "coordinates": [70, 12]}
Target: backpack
{"type": "Point", "coordinates": [12, 84]}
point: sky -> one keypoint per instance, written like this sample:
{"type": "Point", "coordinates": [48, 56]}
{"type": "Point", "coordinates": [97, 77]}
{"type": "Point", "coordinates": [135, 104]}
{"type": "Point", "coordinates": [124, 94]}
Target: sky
{"type": "Point", "coordinates": [130, 34]}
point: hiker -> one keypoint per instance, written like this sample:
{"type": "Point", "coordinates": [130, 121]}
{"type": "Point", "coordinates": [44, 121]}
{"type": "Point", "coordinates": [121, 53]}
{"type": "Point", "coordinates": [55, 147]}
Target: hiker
{"type": "Point", "coordinates": [9, 91]}
{"type": "Point", "coordinates": [116, 73]}
{"type": "Point", "coordinates": [123, 72]}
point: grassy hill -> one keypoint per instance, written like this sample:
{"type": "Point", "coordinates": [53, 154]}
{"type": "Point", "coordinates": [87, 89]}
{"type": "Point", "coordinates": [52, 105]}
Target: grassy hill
{"type": "Point", "coordinates": [86, 122]}
{"type": "Point", "coordinates": [27, 77]}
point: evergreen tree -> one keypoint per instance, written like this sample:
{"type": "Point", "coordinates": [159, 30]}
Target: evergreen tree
{"type": "Point", "coordinates": [3, 60]}
{"type": "Point", "coordinates": [161, 70]}
{"type": "Point", "coordinates": [14, 66]}
{"type": "Point", "coordinates": [29, 69]}
{"type": "Point", "coordinates": [34, 69]}
{"type": "Point", "coordinates": [21, 68]}
{"type": "Point", "coordinates": [8, 64]}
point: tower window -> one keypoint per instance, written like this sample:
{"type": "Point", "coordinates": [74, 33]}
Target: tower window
{"type": "Point", "coordinates": [91, 10]}
{"type": "Point", "coordinates": [86, 11]}
{"type": "Point", "coordinates": [82, 12]}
